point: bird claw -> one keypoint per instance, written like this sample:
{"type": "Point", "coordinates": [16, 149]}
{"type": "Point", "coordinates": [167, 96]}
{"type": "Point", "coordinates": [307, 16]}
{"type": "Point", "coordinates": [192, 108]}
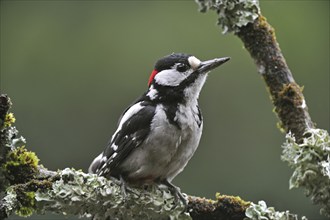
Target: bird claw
{"type": "Point", "coordinates": [123, 187]}
{"type": "Point", "coordinates": [177, 193]}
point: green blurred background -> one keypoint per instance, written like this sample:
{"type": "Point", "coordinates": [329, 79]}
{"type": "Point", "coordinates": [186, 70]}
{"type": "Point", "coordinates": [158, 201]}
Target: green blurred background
{"type": "Point", "coordinates": [71, 67]}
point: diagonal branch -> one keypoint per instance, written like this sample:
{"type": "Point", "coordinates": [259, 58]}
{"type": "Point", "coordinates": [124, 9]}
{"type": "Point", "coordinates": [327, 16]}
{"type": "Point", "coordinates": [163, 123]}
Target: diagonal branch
{"type": "Point", "coordinates": [307, 149]}
{"type": "Point", "coordinates": [244, 19]}
{"type": "Point", "coordinates": [290, 105]}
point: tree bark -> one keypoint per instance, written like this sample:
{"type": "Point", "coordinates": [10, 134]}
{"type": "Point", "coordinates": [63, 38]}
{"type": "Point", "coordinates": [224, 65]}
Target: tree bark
{"type": "Point", "coordinates": [290, 105]}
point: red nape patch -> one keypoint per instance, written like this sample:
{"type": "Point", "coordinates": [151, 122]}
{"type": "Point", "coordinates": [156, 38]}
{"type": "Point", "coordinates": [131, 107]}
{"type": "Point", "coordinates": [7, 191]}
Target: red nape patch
{"type": "Point", "coordinates": [152, 76]}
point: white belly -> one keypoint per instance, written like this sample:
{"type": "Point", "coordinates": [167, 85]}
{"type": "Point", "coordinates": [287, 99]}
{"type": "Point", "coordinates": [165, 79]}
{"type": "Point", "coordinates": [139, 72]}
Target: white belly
{"type": "Point", "coordinates": [167, 150]}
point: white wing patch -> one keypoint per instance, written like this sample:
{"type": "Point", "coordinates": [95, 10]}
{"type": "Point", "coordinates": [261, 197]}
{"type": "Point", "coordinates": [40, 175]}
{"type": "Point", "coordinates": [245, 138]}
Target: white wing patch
{"type": "Point", "coordinates": [130, 112]}
{"type": "Point", "coordinates": [114, 147]}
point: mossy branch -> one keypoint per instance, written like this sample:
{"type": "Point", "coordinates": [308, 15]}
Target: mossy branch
{"type": "Point", "coordinates": [290, 105]}
{"type": "Point", "coordinates": [306, 148]}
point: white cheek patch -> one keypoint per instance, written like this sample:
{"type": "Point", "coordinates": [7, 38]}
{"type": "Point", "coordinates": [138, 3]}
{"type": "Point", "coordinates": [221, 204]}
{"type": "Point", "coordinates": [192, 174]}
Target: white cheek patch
{"type": "Point", "coordinates": [169, 78]}
{"type": "Point", "coordinates": [194, 62]}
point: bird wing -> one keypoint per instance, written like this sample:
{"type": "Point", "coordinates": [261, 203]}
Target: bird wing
{"type": "Point", "coordinates": [133, 128]}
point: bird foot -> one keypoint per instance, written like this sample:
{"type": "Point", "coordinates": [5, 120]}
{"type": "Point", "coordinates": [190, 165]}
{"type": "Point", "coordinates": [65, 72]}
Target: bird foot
{"type": "Point", "coordinates": [123, 187]}
{"type": "Point", "coordinates": [177, 193]}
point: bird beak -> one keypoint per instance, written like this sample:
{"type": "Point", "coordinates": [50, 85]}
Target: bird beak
{"type": "Point", "coordinates": [209, 65]}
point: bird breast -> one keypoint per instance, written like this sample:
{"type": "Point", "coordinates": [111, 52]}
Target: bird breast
{"type": "Point", "coordinates": [168, 148]}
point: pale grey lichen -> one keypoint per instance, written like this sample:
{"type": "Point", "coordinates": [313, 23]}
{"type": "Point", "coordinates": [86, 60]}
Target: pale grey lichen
{"type": "Point", "coordinates": [233, 14]}
{"type": "Point", "coordinates": [311, 164]}
{"type": "Point", "coordinates": [260, 211]}
{"type": "Point", "coordinates": [9, 201]}
{"type": "Point", "coordinates": [87, 195]}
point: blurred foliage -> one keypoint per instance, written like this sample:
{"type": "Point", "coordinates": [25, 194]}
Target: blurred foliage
{"type": "Point", "coordinates": [72, 67]}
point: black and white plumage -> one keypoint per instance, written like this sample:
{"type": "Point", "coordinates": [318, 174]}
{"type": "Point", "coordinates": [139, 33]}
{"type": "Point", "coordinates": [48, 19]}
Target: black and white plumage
{"type": "Point", "coordinates": [159, 133]}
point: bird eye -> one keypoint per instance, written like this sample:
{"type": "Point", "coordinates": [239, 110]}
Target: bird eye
{"type": "Point", "coordinates": [181, 67]}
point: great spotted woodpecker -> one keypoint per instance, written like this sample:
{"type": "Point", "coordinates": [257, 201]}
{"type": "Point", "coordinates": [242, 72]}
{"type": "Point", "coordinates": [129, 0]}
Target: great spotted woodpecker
{"type": "Point", "coordinates": [159, 133]}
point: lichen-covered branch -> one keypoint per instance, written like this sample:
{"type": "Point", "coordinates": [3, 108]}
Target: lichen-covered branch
{"type": "Point", "coordinates": [28, 187]}
{"type": "Point", "coordinates": [76, 193]}
{"type": "Point", "coordinates": [306, 148]}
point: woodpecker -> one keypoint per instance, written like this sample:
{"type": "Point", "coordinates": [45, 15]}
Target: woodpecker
{"type": "Point", "coordinates": [159, 133]}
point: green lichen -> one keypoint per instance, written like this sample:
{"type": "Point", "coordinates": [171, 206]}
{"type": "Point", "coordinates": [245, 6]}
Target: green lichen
{"type": "Point", "coordinates": [9, 120]}
{"type": "Point", "coordinates": [280, 127]}
{"type": "Point", "coordinates": [26, 205]}
{"type": "Point", "coordinates": [233, 200]}
{"type": "Point", "coordinates": [233, 14]}
{"type": "Point", "coordinates": [20, 166]}
{"type": "Point", "coordinates": [231, 205]}
{"type": "Point", "coordinates": [263, 24]}
{"type": "Point", "coordinates": [311, 163]}
{"type": "Point", "coordinates": [260, 211]}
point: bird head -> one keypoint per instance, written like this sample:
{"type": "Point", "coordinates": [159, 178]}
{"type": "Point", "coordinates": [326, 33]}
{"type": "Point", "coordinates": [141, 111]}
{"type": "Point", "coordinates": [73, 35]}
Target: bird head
{"type": "Point", "coordinates": [180, 76]}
